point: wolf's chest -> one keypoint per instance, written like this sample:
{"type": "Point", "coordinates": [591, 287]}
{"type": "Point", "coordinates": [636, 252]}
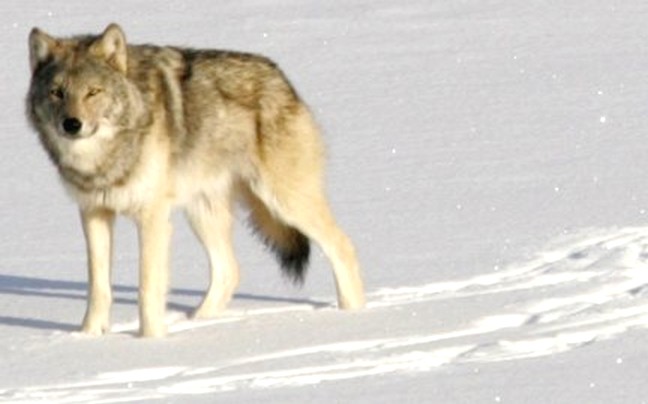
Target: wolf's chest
{"type": "Point", "coordinates": [149, 181]}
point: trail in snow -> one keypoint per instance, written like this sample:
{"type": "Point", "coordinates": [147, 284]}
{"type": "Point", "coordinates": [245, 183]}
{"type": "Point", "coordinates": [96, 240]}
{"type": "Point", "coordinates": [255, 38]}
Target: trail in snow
{"type": "Point", "coordinates": [586, 290]}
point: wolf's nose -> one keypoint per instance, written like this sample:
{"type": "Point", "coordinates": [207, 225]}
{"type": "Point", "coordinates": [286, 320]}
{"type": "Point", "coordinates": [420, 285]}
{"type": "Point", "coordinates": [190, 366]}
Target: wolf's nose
{"type": "Point", "coordinates": [72, 125]}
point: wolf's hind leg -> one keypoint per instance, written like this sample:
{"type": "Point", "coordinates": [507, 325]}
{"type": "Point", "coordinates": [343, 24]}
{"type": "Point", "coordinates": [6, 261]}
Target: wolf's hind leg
{"type": "Point", "coordinates": [290, 184]}
{"type": "Point", "coordinates": [313, 218]}
{"type": "Point", "coordinates": [211, 220]}
{"type": "Point", "coordinates": [98, 229]}
{"type": "Point", "coordinates": [306, 208]}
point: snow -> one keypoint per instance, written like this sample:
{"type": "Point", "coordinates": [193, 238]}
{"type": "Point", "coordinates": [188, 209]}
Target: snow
{"type": "Point", "coordinates": [488, 158]}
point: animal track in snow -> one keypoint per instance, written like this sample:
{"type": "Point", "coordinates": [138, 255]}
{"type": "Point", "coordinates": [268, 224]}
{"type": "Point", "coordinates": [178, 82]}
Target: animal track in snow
{"type": "Point", "coordinates": [585, 290]}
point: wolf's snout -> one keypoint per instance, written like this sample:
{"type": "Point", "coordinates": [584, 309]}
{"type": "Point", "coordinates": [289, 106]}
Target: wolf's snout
{"type": "Point", "coordinates": [72, 126]}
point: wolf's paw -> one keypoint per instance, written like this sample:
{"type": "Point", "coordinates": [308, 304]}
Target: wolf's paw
{"type": "Point", "coordinates": [356, 303]}
{"type": "Point", "coordinates": [153, 330]}
{"type": "Point", "coordinates": [211, 307]}
{"type": "Point", "coordinates": [213, 304]}
{"type": "Point", "coordinates": [95, 328]}
{"type": "Point", "coordinates": [208, 310]}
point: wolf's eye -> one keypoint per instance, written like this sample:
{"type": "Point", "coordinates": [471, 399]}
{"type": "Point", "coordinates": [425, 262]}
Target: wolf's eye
{"type": "Point", "coordinates": [57, 93]}
{"type": "Point", "coordinates": [94, 91]}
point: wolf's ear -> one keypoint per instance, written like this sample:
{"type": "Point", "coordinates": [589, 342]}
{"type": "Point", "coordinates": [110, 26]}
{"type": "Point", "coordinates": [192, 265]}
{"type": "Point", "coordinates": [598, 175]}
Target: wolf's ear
{"type": "Point", "coordinates": [41, 47]}
{"type": "Point", "coordinates": [111, 46]}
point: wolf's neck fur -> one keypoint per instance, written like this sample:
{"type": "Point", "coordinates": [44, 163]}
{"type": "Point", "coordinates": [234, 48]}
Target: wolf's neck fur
{"type": "Point", "coordinates": [97, 164]}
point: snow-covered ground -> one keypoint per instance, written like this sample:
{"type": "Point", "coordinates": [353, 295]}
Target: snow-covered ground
{"type": "Point", "coordinates": [488, 157]}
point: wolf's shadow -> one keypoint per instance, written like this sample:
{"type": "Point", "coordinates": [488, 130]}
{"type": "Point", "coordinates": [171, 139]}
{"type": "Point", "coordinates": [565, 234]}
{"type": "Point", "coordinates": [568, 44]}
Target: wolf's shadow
{"type": "Point", "coordinates": [61, 289]}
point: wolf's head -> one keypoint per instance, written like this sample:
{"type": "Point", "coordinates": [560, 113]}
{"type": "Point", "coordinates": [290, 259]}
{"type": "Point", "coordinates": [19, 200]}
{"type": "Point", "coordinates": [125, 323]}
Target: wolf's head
{"type": "Point", "coordinates": [89, 115]}
{"type": "Point", "coordinates": [79, 85]}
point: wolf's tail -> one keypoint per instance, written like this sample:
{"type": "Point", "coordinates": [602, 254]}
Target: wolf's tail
{"type": "Point", "coordinates": [291, 247]}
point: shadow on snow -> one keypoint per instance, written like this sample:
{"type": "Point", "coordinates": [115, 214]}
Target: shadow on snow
{"type": "Point", "coordinates": [23, 286]}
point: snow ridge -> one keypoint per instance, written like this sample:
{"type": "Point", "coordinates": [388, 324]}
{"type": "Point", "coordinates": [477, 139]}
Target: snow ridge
{"type": "Point", "coordinates": [585, 290]}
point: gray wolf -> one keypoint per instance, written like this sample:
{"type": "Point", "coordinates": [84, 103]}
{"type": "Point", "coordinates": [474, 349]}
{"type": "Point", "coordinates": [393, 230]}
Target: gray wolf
{"type": "Point", "coordinates": [140, 129]}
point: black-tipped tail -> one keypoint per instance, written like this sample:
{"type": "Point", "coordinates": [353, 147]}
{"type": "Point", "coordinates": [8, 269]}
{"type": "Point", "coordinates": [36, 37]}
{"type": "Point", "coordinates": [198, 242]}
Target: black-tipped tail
{"type": "Point", "coordinates": [290, 246]}
{"type": "Point", "coordinates": [293, 255]}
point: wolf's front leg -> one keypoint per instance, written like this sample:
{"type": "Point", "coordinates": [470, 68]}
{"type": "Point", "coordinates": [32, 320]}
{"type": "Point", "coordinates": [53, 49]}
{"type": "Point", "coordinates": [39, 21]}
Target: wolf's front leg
{"type": "Point", "coordinates": [154, 237]}
{"type": "Point", "coordinates": [98, 229]}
